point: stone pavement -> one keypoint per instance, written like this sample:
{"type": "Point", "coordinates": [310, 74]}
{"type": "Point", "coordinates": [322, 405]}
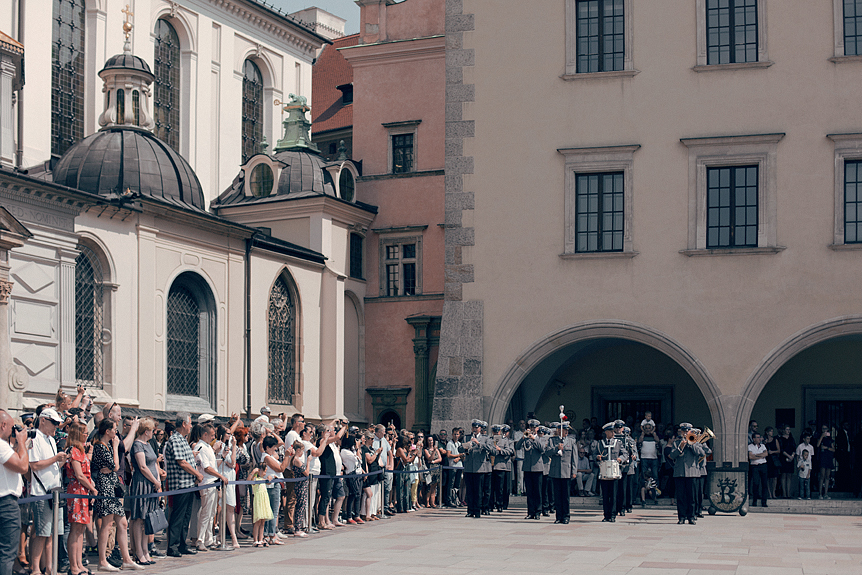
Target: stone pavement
{"type": "Point", "coordinates": [649, 541]}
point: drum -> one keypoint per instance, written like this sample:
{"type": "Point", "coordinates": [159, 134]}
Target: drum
{"type": "Point", "coordinates": [609, 470]}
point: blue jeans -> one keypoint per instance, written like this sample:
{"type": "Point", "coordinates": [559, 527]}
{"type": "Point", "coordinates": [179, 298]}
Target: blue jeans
{"type": "Point", "coordinates": [804, 487]}
{"type": "Point", "coordinates": [271, 526]}
{"type": "Point", "coordinates": [10, 533]}
{"type": "Point", "coordinates": [652, 466]}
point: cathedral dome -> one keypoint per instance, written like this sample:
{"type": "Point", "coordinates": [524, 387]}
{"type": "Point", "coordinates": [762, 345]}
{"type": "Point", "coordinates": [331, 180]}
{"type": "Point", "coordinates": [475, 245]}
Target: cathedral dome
{"type": "Point", "coordinates": [126, 61]}
{"type": "Point", "coordinates": [117, 159]}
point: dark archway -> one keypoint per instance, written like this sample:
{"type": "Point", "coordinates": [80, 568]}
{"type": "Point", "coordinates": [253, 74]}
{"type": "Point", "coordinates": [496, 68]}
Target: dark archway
{"type": "Point", "coordinates": [388, 417]}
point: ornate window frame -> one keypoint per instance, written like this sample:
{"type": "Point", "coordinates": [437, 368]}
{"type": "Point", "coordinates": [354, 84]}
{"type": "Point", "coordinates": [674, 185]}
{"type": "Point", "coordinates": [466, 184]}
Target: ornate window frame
{"type": "Point", "coordinates": [838, 56]}
{"type": "Point", "coordinates": [762, 44]}
{"type": "Point", "coordinates": [399, 236]}
{"type": "Point", "coordinates": [597, 160]}
{"type": "Point", "coordinates": [572, 45]}
{"type": "Point", "coordinates": [722, 151]}
{"type": "Point", "coordinates": [293, 397]}
{"type": "Point", "coordinates": [847, 147]}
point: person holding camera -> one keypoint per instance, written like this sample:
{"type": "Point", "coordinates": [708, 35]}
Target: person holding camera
{"type": "Point", "coordinates": [826, 453]}
{"type": "Point", "coordinates": [45, 466]}
{"type": "Point", "coordinates": [15, 463]}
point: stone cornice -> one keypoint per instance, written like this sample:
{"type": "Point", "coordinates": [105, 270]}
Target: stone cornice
{"type": "Point", "coordinates": [256, 213]}
{"type": "Point", "coordinates": [395, 51]}
{"type": "Point", "coordinates": [46, 197]}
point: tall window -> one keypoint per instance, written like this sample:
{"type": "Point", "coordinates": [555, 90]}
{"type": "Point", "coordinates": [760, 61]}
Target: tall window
{"type": "Point", "coordinates": [402, 153]}
{"type": "Point", "coordinates": [601, 35]}
{"type": "Point", "coordinates": [191, 339]}
{"type": "Point", "coordinates": [67, 75]}
{"type": "Point", "coordinates": [356, 247]}
{"type": "Point", "coordinates": [89, 313]}
{"type": "Point", "coordinates": [166, 100]}
{"type": "Point", "coordinates": [852, 201]}
{"type": "Point", "coordinates": [252, 110]}
{"type": "Point", "coordinates": [400, 268]}
{"type": "Point", "coordinates": [731, 28]}
{"type": "Point", "coordinates": [731, 207]}
{"type": "Point", "coordinates": [600, 216]}
{"type": "Point", "coordinates": [282, 349]}
{"type": "Point", "coordinates": [852, 27]}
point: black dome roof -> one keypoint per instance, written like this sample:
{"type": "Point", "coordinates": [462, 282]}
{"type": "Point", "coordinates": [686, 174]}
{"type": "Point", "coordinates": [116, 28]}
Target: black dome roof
{"type": "Point", "coordinates": [304, 173]}
{"type": "Point", "coordinates": [119, 158]}
{"type": "Point", "coordinates": [128, 62]}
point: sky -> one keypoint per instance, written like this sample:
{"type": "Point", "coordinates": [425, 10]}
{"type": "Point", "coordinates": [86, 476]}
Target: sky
{"type": "Point", "coordinates": [346, 9]}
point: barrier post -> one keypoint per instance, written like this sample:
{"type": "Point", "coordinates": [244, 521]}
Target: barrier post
{"type": "Point", "coordinates": [223, 520]}
{"type": "Point", "coordinates": [55, 528]}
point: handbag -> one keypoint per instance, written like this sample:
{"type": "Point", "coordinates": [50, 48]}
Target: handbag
{"type": "Point", "coordinates": [119, 491]}
{"type": "Point", "coordinates": [155, 521]}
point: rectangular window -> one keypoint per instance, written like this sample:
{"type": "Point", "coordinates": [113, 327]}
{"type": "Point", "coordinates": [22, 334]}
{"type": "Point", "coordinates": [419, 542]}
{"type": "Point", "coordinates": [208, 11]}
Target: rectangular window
{"type": "Point", "coordinates": [852, 202]}
{"type": "Point", "coordinates": [401, 270]}
{"type": "Point", "coordinates": [601, 35]}
{"type": "Point", "coordinates": [600, 215]}
{"type": "Point", "coordinates": [356, 246]}
{"type": "Point", "coordinates": [731, 210]}
{"type": "Point", "coordinates": [402, 153]}
{"type": "Point", "coordinates": [731, 30]}
{"type": "Point", "coordinates": [852, 27]}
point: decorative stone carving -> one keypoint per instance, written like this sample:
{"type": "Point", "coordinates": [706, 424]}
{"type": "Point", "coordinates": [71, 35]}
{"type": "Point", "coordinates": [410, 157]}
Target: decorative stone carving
{"type": "Point", "coordinates": [5, 290]}
{"type": "Point", "coordinates": [18, 378]}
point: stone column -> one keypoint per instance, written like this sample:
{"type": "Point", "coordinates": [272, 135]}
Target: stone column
{"type": "Point", "coordinates": [7, 141]}
{"type": "Point", "coordinates": [13, 381]}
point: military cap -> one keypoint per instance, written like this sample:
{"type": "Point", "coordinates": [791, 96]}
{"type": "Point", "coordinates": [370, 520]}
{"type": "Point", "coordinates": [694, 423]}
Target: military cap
{"type": "Point", "coordinates": [685, 426]}
{"type": "Point", "coordinates": [483, 424]}
{"type": "Point", "coordinates": [619, 423]}
{"type": "Point", "coordinates": [608, 425]}
{"type": "Point", "coordinates": [555, 425]}
{"type": "Point", "coordinates": [506, 429]}
{"type": "Point", "coordinates": [565, 425]}
{"type": "Point", "coordinates": [495, 428]}
{"type": "Point", "coordinates": [533, 423]}
{"type": "Point", "coordinates": [627, 430]}
{"type": "Point", "coordinates": [696, 430]}
{"type": "Point", "coordinates": [476, 423]}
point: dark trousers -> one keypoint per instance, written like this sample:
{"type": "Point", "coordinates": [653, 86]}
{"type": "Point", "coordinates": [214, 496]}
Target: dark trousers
{"type": "Point", "coordinates": [620, 487]}
{"type": "Point", "coordinates": [684, 497]}
{"type": "Point", "coordinates": [629, 489]}
{"type": "Point", "coordinates": [609, 497]}
{"type": "Point", "coordinates": [533, 485]}
{"type": "Point", "coordinates": [758, 483]}
{"type": "Point", "coordinates": [452, 486]}
{"type": "Point", "coordinates": [178, 524]}
{"type": "Point", "coordinates": [443, 496]}
{"type": "Point", "coordinates": [547, 494]}
{"type": "Point", "coordinates": [698, 494]}
{"type": "Point", "coordinates": [10, 533]}
{"type": "Point", "coordinates": [507, 490]}
{"type": "Point", "coordinates": [486, 492]}
{"type": "Point", "coordinates": [498, 489]}
{"type": "Point", "coordinates": [561, 497]}
{"type": "Point", "coordinates": [473, 485]}
{"type": "Point", "coordinates": [516, 465]}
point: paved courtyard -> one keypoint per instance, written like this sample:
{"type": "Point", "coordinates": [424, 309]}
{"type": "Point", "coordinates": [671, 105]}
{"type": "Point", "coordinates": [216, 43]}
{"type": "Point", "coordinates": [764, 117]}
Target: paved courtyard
{"type": "Point", "coordinates": [646, 542]}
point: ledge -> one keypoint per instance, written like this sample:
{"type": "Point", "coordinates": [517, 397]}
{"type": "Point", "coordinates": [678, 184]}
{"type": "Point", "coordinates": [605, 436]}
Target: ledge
{"type": "Point", "coordinates": [733, 251]}
{"type": "Point", "coordinates": [845, 59]}
{"type": "Point", "coordinates": [599, 255]}
{"type": "Point", "coordinates": [600, 75]}
{"type": "Point", "coordinates": [845, 247]}
{"type": "Point", "coordinates": [399, 176]}
{"type": "Point", "coordinates": [739, 66]}
{"type": "Point", "coordinates": [403, 298]}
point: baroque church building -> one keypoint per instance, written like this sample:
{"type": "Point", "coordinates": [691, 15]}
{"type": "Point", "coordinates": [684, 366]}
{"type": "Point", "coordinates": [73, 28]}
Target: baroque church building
{"type": "Point", "coordinates": [160, 251]}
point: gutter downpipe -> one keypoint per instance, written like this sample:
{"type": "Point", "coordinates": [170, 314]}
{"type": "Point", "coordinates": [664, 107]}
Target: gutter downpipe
{"type": "Point", "coordinates": [247, 321]}
{"type": "Point", "coordinates": [19, 154]}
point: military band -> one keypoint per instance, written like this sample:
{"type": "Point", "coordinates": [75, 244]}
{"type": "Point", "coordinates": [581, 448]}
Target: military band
{"type": "Point", "coordinates": [563, 451]}
{"type": "Point", "coordinates": [533, 468]}
{"type": "Point", "coordinates": [501, 462]}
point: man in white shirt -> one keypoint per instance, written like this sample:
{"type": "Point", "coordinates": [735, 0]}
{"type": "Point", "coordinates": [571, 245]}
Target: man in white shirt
{"type": "Point", "coordinates": [805, 446]}
{"type": "Point", "coordinates": [205, 455]}
{"type": "Point", "coordinates": [757, 468]}
{"type": "Point", "coordinates": [380, 442]}
{"type": "Point", "coordinates": [45, 466]}
{"type": "Point", "coordinates": [14, 463]}
{"type": "Point", "coordinates": [454, 460]}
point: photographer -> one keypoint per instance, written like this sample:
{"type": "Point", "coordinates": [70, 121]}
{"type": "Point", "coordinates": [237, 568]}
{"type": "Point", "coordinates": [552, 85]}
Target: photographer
{"type": "Point", "coordinates": [45, 466]}
{"type": "Point", "coordinates": [15, 462]}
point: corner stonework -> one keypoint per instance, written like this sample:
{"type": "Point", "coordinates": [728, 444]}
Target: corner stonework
{"type": "Point", "coordinates": [458, 386]}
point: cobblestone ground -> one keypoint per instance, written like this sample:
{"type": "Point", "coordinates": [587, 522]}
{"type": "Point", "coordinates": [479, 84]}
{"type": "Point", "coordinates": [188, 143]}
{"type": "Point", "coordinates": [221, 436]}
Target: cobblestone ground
{"type": "Point", "coordinates": [648, 541]}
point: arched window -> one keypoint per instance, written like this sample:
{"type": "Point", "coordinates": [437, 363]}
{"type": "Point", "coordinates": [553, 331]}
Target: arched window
{"type": "Point", "coordinates": [282, 343]}
{"type": "Point", "coordinates": [166, 100]}
{"type": "Point", "coordinates": [191, 340]}
{"type": "Point", "coordinates": [67, 75]}
{"type": "Point", "coordinates": [89, 316]}
{"type": "Point", "coordinates": [252, 110]}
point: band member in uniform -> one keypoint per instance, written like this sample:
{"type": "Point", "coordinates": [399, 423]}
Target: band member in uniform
{"type": "Point", "coordinates": [685, 470]}
{"type": "Point", "coordinates": [609, 449]}
{"type": "Point", "coordinates": [502, 452]}
{"type": "Point", "coordinates": [547, 490]}
{"type": "Point", "coordinates": [700, 482]}
{"type": "Point", "coordinates": [474, 448]}
{"type": "Point", "coordinates": [532, 468]}
{"type": "Point", "coordinates": [507, 478]}
{"type": "Point", "coordinates": [619, 435]}
{"type": "Point", "coordinates": [631, 476]}
{"type": "Point", "coordinates": [563, 451]}
{"type": "Point", "coordinates": [485, 471]}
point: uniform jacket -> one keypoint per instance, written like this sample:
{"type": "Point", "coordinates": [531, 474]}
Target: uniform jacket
{"type": "Point", "coordinates": [477, 454]}
{"type": "Point", "coordinates": [532, 453]}
{"type": "Point", "coordinates": [685, 462]}
{"type": "Point", "coordinates": [702, 464]}
{"type": "Point", "coordinates": [565, 465]}
{"type": "Point", "coordinates": [546, 457]}
{"type": "Point", "coordinates": [632, 446]}
{"type": "Point", "coordinates": [502, 456]}
{"type": "Point", "coordinates": [611, 449]}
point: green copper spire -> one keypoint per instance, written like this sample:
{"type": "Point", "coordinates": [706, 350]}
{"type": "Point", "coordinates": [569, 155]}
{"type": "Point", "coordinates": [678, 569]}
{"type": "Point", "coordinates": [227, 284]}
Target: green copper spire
{"type": "Point", "coordinates": [297, 130]}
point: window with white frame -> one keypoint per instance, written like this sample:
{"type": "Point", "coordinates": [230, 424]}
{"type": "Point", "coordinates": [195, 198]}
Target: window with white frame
{"type": "Point", "coordinates": [731, 34]}
{"type": "Point", "coordinates": [402, 146]}
{"type": "Point", "coordinates": [847, 16]}
{"type": "Point", "coordinates": [732, 185]}
{"type": "Point", "coordinates": [598, 201]}
{"type": "Point", "coordinates": [598, 38]}
{"type": "Point", "coordinates": [400, 266]}
{"type": "Point", "coordinates": [847, 232]}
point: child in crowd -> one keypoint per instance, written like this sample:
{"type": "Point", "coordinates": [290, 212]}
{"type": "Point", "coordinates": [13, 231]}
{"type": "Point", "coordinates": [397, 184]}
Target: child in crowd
{"type": "Point", "coordinates": [262, 510]}
{"type": "Point", "coordinates": [647, 419]}
{"type": "Point", "coordinates": [649, 489]}
{"type": "Point", "coordinates": [804, 467]}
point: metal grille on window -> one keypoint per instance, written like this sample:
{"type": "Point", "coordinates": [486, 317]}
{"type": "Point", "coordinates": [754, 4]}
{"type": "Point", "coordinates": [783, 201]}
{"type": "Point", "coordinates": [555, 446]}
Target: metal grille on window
{"type": "Point", "coordinates": [89, 314]}
{"type": "Point", "coordinates": [601, 35]}
{"type": "Point", "coordinates": [184, 343]}
{"type": "Point", "coordinates": [252, 110]}
{"type": "Point", "coordinates": [600, 217]}
{"type": "Point", "coordinates": [852, 202]}
{"type": "Point", "coordinates": [402, 153]}
{"type": "Point", "coordinates": [281, 344]}
{"type": "Point", "coordinates": [67, 75]}
{"type": "Point", "coordinates": [731, 29]}
{"type": "Point", "coordinates": [356, 247]}
{"type": "Point", "coordinates": [166, 97]}
{"type": "Point", "coordinates": [852, 27]}
{"type": "Point", "coordinates": [731, 209]}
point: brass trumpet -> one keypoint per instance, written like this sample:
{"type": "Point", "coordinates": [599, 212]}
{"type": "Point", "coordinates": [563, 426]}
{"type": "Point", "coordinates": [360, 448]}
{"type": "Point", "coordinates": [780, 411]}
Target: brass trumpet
{"type": "Point", "coordinates": [693, 438]}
